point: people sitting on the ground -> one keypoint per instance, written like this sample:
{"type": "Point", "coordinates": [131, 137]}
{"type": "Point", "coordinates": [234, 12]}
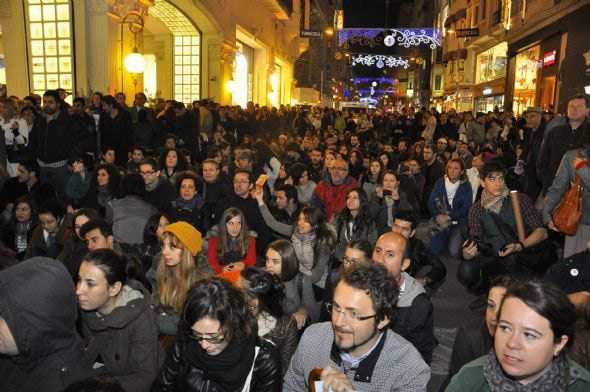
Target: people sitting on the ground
{"type": "Point", "coordinates": [190, 207]}
{"type": "Point", "coordinates": [387, 199]}
{"type": "Point", "coordinates": [266, 293]}
{"type": "Point", "coordinates": [414, 318]}
{"type": "Point", "coordinates": [104, 187]}
{"type": "Point", "coordinates": [330, 193]}
{"type": "Point", "coordinates": [475, 338]}
{"type": "Point", "coordinates": [535, 325]}
{"type": "Point", "coordinates": [493, 247]}
{"type": "Point", "coordinates": [432, 169]}
{"type": "Point", "coordinates": [449, 204]}
{"type": "Point", "coordinates": [231, 244]}
{"type": "Point", "coordinates": [572, 274]}
{"type": "Point", "coordinates": [77, 243]}
{"type": "Point", "coordinates": [79, 182]}
{"type": "Point", "coordinates": [298, 175]}
{"type": "Point", "coordinates": [217, 347]}
{"type": "Point", "coordinates": [39, 347]}
{"type": "Point", "coordinates": [214, 185]}
{"type": "Point", "coordinates": [426, 268]}
{"type": "Point", "coordinates": [159, 191]}
{"type": "Point", "coordinates": [49, 238]}
{"type": "Point", "coordinates": [18, 232]}
{"type": "Point", "coordinates": [357, 350]}
{"type": "Point", "coordinates": [118, 325]}
{"type": "Point", "coordinates": [285, 211]}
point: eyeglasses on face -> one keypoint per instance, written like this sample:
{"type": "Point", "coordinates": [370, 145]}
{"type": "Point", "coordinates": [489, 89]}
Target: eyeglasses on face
{"type": "Point", "coordinates": [349, 315]}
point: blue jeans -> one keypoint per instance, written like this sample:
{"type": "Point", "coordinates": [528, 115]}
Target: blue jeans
{"type": "Point", "coordinates": [452, 239]}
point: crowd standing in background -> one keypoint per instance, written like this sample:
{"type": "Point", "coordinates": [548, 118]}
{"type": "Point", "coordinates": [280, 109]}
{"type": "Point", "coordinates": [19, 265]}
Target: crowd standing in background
{"type": "Point", "coordinates": [221, 248]}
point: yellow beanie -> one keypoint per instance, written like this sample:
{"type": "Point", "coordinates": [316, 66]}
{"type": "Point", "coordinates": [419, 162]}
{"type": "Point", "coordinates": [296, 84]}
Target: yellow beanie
{"type": "Point", "coordinates": [188, 235]}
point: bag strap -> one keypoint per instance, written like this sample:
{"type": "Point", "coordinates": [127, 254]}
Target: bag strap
{"type": "Point", "coordinates": [249, 378]}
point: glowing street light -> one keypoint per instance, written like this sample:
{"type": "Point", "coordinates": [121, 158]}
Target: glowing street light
{"type": "Point", "coordinates": [134, 62]}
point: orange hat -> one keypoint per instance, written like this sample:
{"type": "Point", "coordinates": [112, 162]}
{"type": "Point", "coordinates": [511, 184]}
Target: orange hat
{"type": "Point", "coordinates": [188, 235]}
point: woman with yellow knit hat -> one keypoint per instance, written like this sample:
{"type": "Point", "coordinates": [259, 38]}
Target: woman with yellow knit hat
{"type": "Point", "coordinates": [180, 266]}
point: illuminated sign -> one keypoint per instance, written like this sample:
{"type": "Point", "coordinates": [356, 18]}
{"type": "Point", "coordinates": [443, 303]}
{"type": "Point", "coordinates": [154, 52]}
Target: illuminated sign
{"type": "Point", "coordinates": [549, 58]}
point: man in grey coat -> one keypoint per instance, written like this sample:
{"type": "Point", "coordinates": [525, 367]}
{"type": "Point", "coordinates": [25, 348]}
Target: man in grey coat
{"type": "Point", "coordinates": [357, 350]}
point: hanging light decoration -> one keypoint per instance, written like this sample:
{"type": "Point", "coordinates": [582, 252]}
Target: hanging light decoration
{"type": "Point", "coordinates": [134, 62]}
{"type": "Point", "coordinates": [380, 61]}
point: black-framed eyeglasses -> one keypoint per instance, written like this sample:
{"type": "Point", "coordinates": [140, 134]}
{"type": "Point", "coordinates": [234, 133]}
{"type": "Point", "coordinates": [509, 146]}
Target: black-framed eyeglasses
{"type": "Point", "coordinates": [199, 338]}
{"type": "Point", "coordinates": [349, 315]}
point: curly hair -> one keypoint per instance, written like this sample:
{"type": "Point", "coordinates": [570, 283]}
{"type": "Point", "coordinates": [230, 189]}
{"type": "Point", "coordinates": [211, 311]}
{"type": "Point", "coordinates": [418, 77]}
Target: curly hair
{"type": "Point", "coordinates": [218, 299]}
{"type": "Point", "coordinates": [377, 283]}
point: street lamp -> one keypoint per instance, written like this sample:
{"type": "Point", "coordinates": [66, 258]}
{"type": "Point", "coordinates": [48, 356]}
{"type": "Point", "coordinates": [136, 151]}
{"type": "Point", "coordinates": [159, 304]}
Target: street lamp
{"type": "Point", "coordinates": [134, 62]}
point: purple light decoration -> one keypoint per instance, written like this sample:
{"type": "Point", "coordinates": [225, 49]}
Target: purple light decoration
{"type": "Point", "coordinates": [405, 37]}
{"type": "Point", "coordinates": [381, 80]}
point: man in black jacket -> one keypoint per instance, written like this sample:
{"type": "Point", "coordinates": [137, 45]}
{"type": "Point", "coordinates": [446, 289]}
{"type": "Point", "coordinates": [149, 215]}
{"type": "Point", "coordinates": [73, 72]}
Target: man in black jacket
{"type": "Point", "coordinates": [214, 185]}
{"type": "Point", "coordinates": [563, 138]}
{"type": "Point", "coordinates": [414, 319]}
{"type": "Point", "coordinates": [432, 169]}
{"type": "Point", "coordinates": [240, 198]}
{"type": "Point", "coordinates": [39, 347]}
{"type": "Point", "coordinates": [116, 129]}
{"type": "Point", "coordinates": [187, 129]}
{"type": "Point", "coordinates": [159, 191]}
{"type": "Point", "coordinates": [53, 141]}
{"type": "Point", "coordinates": [533, 137]}
{"type": "Point", "coordinates": [85, 126]}
{"type": "Point", "coordinates": [427, 269]}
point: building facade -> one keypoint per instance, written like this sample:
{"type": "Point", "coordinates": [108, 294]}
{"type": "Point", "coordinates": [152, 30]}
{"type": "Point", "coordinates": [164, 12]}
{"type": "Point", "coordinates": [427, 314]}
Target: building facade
{"type": "Point", "coordinates": [229, 51]}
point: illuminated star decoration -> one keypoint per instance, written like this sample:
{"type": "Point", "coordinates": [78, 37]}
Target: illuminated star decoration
{"type": "Point", "coordinates": [405, 37]}
{"type": "Point", "coordinates": [380, 61]}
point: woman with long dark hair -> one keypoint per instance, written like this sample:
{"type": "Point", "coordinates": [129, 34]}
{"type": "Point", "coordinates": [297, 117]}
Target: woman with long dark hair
{"type": "Point", "coordinates": [19, 230]}
{"type": "Point", "coordinates": [267, 161]}
{"type": "Point", "coordinates": [104, 187]}
{"type": "Point", "coordinates": [389, 197]}
{"type": "Point", "coordinates": [266, 292]}
{"type": "Point", "coordinates": [353, 222]}
{"type": "Point", "coordinates": [369, 180]}
{"type": "Point", "coordinates": [534, 327]}
{"type": "Point", "coordinates": [172, 162]}
{"type": "Point", "coordinates": [218, 348]}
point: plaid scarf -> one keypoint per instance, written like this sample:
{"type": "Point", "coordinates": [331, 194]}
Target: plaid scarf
{"type": "Point", "coordinates": [493, 203]}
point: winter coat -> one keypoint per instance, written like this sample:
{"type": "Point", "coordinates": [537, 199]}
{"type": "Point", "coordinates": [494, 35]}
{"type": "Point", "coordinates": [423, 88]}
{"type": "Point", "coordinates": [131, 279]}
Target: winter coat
{"type": "Point", "coordinates": [182, 373]}
{"type": "Point", "coordinates": [117, 133]}
{"type": "Point", "coordinates": [414, 318]}
{"type": "Point", "coordinates": [55, 141]}
{"type": "Point", "coordinates": [421, 257]}
{"type": "Point", "coordinates": [77, 187]}
{"type": "Point", "coordinates": [199, 217]}
{"type": "Point", "coordinates": [285, 337]}
{"type": "Point", "coordinates": [126, 340]}
{"type": "Point", "coordinates": [129, 215]}
{"type": "Point", "coordinates": [347, 234]}
{"type": "Point", "coordinates": [162, 196]}
{"type": "Point", "coordinates": [13, 189]}
{"type": "Point", "coordinates": [9, 238]}
{"type": "Point", "coordinates": [331, 198]}
{"type": "Point", "coordinates": [461, 202]}
{"type": "Point", "coordinates": [59, 250]}
{"type": "Point", "coordinates": [378, 210]}
{"type": "Point", "coordinates": [214, 192]}
{"type": "Point", "coordinates": [38, 303]}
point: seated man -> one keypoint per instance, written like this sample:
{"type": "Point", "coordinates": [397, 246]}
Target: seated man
{"type": "Point", "coordinates": [413, 317]}
{"type": "Point", "coordinates": [427, 269]}
{"type": "Point", "coordinates": [330, 193]}
{"type": "Point", "coordinates": [493, 247]}
{"type": "Point", "coordinates": [573, 276]}
{"type": "Point", "coordinates": [356, 350]}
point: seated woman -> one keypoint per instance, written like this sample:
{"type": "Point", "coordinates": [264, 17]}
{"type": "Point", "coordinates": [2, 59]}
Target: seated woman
{"type": "Point", "coordinates": [387, 199]}
{"type": "Point", "coordinates": [172, 275]}
{"type": "Point", "coordinates": [535, 324]}
{"type": "Point", "coordinates": [50, 237]}
{"type": "Point", "coordinates": [118, 325]}
{"type": "Point", "coordinates": [17, 234]}
{"type": "Point", "coordinates": [369, 180]}
{"type": "Point", "coordinates": [79, 182]}
{"type": "Point", "coordinates": [475, 338]}
{"type": "Point", "coordinates": [449, 205]}
{"type": "Point", "coordinates": [104, 187]}
{"type": "Point", "coordinates": [190, 207]}
{"type": "Point", "coordinates": [172, 162]}
{"type": "Point", "coordinates": [129, 212]}
{"type": "Point", "coordinates": [266, 292]}
{"type": "Point", "coordinates": [298, 176]}
{"type": "Point", "coordinates": [355, 164]}
{"type": "Point", "coordinates": [78, 245]}
{"type": "Point", "coordinates": [217, 348]}
{"type": "Point", "coordinates": [231, 247]}
{"type": "Point", "coordinates": [153, 235]}
{"type": "Point", "coordinates": [353, 222]}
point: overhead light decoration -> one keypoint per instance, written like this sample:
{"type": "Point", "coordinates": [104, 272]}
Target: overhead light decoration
{"type": "Point", "coordinates": [405, 37]}
{"type": "Point", "coordinates": [134, 62]}
{"type": "Point", "coordinates": [380, 61]}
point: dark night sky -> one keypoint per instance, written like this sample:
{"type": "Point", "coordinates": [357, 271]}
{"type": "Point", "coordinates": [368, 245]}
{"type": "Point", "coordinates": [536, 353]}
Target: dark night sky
{"type": "Point", "coordinates": [369, 13]}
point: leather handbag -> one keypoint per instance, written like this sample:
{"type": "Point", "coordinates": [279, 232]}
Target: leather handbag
{"type": "Point", "coordinates": [568, 212]}
{"type": "Point", "coordinates": [18, 153]}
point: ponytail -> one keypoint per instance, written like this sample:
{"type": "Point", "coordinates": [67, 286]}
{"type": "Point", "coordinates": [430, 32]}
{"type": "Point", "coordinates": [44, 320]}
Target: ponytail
{"type": "Point", "coordinates": [116, 267]}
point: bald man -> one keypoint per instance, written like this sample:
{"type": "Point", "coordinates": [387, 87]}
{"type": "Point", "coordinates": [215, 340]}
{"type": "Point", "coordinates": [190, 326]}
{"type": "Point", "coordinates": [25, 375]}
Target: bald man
{"type": "Point", "coordinates": [330, 193]}
{"type": "Point", "coordinates": [413, 319]}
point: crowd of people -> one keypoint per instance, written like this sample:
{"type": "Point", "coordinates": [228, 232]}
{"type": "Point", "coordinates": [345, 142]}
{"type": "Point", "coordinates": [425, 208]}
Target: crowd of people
{"type": "Point", "coordinates": [204, 247]}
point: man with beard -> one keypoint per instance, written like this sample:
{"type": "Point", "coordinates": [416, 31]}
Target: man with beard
{"type": "Point", "coordinates": [116, 129]}
{"type": "Point", "coordinates": [357, 350]}
{"type": "Point", "coordinates": [85, 125]}
{"type": "Point", "coordinates": [316, 169]}
{"type": "Point", "coordinates": [53, 140]}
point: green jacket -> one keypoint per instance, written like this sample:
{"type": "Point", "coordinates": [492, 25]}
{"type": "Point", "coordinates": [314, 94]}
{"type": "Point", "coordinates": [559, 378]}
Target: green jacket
{"type": "Point", "coordinates": [471, 379]}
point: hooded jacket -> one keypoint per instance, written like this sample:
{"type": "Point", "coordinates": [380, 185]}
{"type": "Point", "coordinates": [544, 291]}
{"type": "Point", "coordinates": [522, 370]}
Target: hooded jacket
{"type": "Point", "coordinates": [414, 319]}
{"type": "Point", "coordinates": [126, 340]}
{"type": "Point", "coordinates": [38, 303]}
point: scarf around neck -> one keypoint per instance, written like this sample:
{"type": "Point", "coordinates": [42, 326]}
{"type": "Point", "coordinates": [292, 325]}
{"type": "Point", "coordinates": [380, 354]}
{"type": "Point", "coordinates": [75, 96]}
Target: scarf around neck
{"type": "Point", "coordinates": [230, 368]}
{"type": "Point", "coordinates": [557, 379]}
{"type": "Point", "coordinates": [493, 203]}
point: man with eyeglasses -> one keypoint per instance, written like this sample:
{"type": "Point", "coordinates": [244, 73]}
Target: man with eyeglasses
{"type": "Point", "coordinates": [330, 193]}
{"type": "Point", "coordinates": [356, 350]}
{"type": "Point", "coordinates": [159, 192]}
{"type": "Point", "coordinates": [414, 319]}
{"type": "Point", "coordinates": [493, 247]}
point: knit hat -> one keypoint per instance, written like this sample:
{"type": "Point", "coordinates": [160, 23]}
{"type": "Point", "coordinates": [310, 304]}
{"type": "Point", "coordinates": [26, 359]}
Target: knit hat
{"type": "Point", "coordinates": [188, 235]}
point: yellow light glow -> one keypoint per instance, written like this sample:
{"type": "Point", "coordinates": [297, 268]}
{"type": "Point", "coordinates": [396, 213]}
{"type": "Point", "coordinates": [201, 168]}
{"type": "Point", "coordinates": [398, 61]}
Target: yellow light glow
{"type": "Point", "coordinates": [329, 31]}
{"type": "Point", "coordinates": [293, 102]}
{"type": "Point", "coordinates": [230, 86]}
{"type": "Point", "coordinates": [134, 62]}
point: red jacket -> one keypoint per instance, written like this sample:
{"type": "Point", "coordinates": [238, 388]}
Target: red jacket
{"type": "Point", "coordinates": [214, 262]}
{"type": "Point", "coordinates": [331, 198]}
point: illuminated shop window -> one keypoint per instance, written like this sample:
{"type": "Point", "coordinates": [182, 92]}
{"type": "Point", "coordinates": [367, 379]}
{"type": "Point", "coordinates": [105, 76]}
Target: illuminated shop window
{"type": "Point", "coordinates": [49, 32]}
{"type": "Point", "coordinates": [187, 51]}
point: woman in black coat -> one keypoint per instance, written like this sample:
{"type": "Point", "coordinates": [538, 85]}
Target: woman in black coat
{"type": "Point", "coordinates": [190, 207]}
{"type": "Point", "coordinates": [217, 348]}
{"type": "Point", "coordinates": [19, 230]}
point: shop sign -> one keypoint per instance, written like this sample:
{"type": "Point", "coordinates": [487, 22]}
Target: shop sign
{"type": "Point", "coordinates": [487, 91]}
{"type": "Point", "coordinates": [549, 58]}
{"type": "Point", "coordinates": [465, 33]}
{"type": "Point", "coordinates": [311, 34]}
